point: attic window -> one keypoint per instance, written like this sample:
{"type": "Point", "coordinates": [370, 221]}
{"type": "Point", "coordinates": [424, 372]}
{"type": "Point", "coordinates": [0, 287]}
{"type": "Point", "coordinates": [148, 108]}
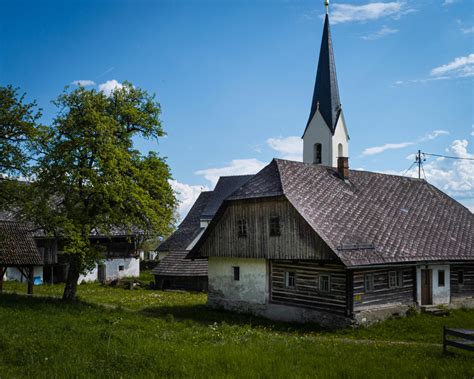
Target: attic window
{"type": "Point", "coordinates": [242, 228]}
{"type": "Point", "coordinates": [317, 153]}
{"type": "Point", "coordinates": [275, 227]}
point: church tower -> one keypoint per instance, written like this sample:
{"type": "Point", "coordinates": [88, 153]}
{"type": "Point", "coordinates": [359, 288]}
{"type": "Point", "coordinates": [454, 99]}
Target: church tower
{"type": "Point", "coordinates": [325, 137]}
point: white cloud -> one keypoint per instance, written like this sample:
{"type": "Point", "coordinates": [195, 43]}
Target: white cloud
{"type": "Point", "coordinates": [83, 83]}
{"type": "Point", "coordinates": [385, 31]}
{"type": "Point", "coordinates": [435, 134]}
{"type": "Point", "coordinates": [468, 30]}
{"type": "Point", "coordinates": [341, 13]}
{"type": "Point", "coordinates": [472, 132]}
{"type": "Point", "coordinates": [235, 167]}
{"type": "Point", "coordinates": [109, 86]}
{"type": "Point", "coordinates": [290, 148]}
{"type": "Point", "coordinates": [388, 146]}
{"type": "Point", "coordinates": [459, 67]}
{"type": "Point", "coordinates": [449, 2]}
{"type": "Point", "coordinates": [186, 195]}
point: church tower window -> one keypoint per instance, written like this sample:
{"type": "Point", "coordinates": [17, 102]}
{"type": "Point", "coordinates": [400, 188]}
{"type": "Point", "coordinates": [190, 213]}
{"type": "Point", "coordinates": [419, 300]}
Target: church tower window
{"type": "Point", "coordinates": [318, 152]}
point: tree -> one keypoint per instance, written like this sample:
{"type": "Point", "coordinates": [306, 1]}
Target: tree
{"type": "Point", "coordinates": [91, 178]}
{"type": "Point", "coordinates": [20, 141]}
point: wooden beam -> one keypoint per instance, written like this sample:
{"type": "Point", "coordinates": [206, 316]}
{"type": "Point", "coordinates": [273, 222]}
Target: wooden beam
{"type": "Point", "coordinates": [30, 280]}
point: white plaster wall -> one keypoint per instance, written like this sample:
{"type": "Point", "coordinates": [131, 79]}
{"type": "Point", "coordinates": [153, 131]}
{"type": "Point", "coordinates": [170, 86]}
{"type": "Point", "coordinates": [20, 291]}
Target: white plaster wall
{"type": "Point", "coordinates": [14, 274]}
{"type": "Point", "coordinates": [252, 286]}
{"type": "Point", "coordinates": [441, 295]}
{"type": "Point", "coordinates": [131, 268]}
{"type": "Point", "coordinates": [318, 132]}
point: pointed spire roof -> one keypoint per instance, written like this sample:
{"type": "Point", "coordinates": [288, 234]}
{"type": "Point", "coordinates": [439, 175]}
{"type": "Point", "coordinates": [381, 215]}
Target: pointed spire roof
{"type": "Point", "coordinates": [326, 91]}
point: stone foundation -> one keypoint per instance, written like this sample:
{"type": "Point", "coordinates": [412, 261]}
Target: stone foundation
{"type": "Point", "coordinates": [462, 302]}
{"type": "Point", "coordinates": [373, 315]}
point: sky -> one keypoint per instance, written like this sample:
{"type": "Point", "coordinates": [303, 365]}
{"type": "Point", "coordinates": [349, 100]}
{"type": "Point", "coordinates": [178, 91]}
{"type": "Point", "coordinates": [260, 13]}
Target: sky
{"type": "Point", "coordinates": [235, 78]}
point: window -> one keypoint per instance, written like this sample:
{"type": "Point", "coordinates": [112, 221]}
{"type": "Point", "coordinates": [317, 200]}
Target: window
{"type": "Point", "coordinates": [290, 279]}
{"type": "Point", "coordinates": [324, 283]}
{"type": "Point", "coordinates": [242, 228]}
{"type": "Point", "coordinates": [395, 279]}
{"type": "Point", "coordinates": [274, 226]}
{"type": "Point", "coordinates": [460, 277]}
{"type": "Point", "coordinates": [121, 267]}
{"type": "Point", "coordinates": [369, 282]}
{"type": "Point", "coordinates": [441, 278]}
{"type": "Point", "coordinates": [317, 153]}
{"type": "Point", "coordinates": [340, 151]}
{"type": "Point", "coordinates": [236, 270]}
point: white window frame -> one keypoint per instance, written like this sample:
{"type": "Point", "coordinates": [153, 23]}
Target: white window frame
{"type": "Point", "coordinates": [287, 279]}
{"type": "Point", "coordinates": [321, 289]}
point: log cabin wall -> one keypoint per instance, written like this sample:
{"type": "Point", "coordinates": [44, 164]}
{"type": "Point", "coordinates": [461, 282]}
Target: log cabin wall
{"type": "Point", "coordinates": [306, 291]}
{"type": "Point", "coordinates": [297, 240]}
{"type": "Point", "coordinates": [366, 296]}
{"type": "Point", "coordinates": [462, 280]}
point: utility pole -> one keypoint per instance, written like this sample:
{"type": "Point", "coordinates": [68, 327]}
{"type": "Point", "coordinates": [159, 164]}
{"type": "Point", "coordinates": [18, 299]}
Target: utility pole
{"type": "Point", "coordinates": [419, 162]}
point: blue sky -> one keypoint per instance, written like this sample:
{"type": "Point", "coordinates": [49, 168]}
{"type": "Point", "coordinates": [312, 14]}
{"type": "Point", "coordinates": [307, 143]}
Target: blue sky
{"type": "Point", "coordinates": [235, 78]}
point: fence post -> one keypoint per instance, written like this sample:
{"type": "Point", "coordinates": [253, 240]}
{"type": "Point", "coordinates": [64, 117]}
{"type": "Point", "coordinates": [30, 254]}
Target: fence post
{"type": "Point", "coordinates": [444, 339]}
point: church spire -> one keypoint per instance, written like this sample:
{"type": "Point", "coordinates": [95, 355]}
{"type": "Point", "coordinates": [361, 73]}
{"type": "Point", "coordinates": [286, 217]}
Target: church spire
{"type": "Point", "coordinates": [326, 92]}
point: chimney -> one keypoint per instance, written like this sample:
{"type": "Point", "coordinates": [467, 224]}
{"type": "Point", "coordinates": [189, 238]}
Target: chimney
{"type": "Point", "coordinates": [343, 167]}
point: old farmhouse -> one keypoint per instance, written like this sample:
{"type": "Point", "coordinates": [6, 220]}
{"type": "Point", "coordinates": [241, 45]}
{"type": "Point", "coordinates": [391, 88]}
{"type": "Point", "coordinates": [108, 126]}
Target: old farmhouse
{"type": "Point", "coordinates": [316, 241]}
{"type": "Point", "coordinates": [176, 272]}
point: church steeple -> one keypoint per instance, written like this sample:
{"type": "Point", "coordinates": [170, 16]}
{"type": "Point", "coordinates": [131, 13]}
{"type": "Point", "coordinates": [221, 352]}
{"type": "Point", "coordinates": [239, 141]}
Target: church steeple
{"type": "Point", "coordinates": [326, 91]}
{"type": "Point", "coordinates": [325, 137]}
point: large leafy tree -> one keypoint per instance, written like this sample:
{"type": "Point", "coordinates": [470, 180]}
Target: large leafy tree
{"type": "Point", "coordinates": [92, 179]}
{"type": "Point", "coordinates": [21, 138]}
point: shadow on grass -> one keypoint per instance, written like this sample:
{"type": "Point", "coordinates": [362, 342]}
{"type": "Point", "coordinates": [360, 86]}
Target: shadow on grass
{"type": "Point", "coordinates": [204, 315]}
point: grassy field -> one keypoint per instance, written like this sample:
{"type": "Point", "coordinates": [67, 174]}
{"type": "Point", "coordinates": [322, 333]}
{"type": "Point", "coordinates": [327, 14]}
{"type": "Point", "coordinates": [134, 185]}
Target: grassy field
{"type": "Point", "coordinates": [144, 333]}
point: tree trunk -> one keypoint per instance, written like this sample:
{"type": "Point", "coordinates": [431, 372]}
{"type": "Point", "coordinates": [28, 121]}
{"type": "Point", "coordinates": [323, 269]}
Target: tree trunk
{"type": "Point", "coordinates": [72, 277]}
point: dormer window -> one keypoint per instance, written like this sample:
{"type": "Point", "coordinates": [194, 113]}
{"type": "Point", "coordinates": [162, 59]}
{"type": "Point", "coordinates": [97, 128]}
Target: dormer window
{"type": "Point", "coordinates": [317, 154]}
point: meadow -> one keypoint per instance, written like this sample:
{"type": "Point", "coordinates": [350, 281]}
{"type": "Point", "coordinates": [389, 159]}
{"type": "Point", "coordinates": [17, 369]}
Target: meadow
{"type": "Point", "coordinates": [112, 331]}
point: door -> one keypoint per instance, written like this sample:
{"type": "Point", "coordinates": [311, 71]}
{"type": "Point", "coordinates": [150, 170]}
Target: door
{"type": "Point", "coordinates": [101, 273]}
{"type": "Point", "coordinates": [426, 287]}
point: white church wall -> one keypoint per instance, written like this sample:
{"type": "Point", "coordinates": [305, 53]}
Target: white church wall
{"type": "Point", "coordinates": [340, 137]}
{"type": "Point", "coordinates": [317, 132]}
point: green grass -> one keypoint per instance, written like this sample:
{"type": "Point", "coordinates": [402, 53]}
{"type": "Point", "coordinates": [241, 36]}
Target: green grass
{"type": "Point", "coordinates": [155, 333]}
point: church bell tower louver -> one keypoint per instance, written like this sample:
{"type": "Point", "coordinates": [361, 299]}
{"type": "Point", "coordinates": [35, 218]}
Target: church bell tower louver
{"type": "Point", "coordinates": [325, 137]}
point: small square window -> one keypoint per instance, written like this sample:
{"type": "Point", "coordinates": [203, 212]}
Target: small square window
{"type": "Point", "coordinates": [236, 270]}
{"type": "Point", "coordinates": [121, 267]}
{"type": "Point", "coordinates": [369, 282]}
{"type": "Point", "coordinates": [460, 277]}
{"type": "Point", "coordinates": [441, 278]}
{"type": "Point", "coordinates": [242, 228]}
{"type": "Point", "coordinates": [274, 226]}
{"type": "Point", "coordinates": [324, 283]}
{"type": "Point", "coordinates": [290, 279]}
{"type": "Point", "coordinates": [395, 279]}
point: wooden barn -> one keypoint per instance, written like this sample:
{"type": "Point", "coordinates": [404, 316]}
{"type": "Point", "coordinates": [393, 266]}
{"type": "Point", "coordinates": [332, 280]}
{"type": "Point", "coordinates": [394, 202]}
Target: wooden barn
{"type": "Point", "coordinates": [316, 241]}
{"type": "Point", "coordinates": [176, 272]}
{"type": "Point", "coordinates": [18, 250]}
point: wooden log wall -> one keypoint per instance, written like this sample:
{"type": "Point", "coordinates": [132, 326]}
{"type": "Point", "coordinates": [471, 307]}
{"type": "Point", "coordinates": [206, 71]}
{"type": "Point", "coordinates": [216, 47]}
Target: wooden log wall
{"type": "Point", "coordinates": [306, 292]}
{"type": "Point", "coordinates": [297, 239]}
{"type": "Point", "coordinates": [382, 293]}
{"type": "Point", "coordinates": [467, 288]}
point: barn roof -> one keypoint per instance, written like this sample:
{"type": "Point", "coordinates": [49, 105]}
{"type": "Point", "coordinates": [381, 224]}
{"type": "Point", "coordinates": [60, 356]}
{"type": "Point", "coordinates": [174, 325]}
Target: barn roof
{"type": "Point", "coordinates": [17, 246]}
{"type": "Point", "coordinates": [189, 228]}
{"type": "Point", "coordinates": [371, 218]}
{"type": "Point", "coordinates": [175, 264]}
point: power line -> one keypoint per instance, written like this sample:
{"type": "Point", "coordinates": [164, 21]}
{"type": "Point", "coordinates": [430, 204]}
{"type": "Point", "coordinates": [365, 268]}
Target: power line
{"type": "Point", "coordinates": [447, 156]}
{"type": "Point", "coordinates": [409, 168]}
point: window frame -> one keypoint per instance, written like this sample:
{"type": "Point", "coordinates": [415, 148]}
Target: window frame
{"type": "Point", "coordinates": [441, 274]}
{"type": "Point", "coordinates": [371, 281]}
{"type": "Point", "coordinates": [321, 289]}
{"type": "Point", "coordinates": [397, 277]}
{"type": "Point", "coordinates": [461, 277]}
{"type": "Point", "coordinates": [236, 273]}
{"type": "Point", "coordinates": [290, 275]}
{"type": "Point", "coordinates": [242, 228]}
{"type": "Point", "coordinates": [274, 225]}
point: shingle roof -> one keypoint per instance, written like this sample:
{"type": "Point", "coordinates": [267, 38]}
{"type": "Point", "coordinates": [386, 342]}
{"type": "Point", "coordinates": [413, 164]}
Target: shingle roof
{"type": "Point", "coordinates": [372, 218]}
{"type": "Point", "coordinates": [17, 246]}
{"type": "Point", "coordinates": [326, 91]}
{"type": "Point", "coordinates": [224, 187]}
{"type": "Point", "coordinates": [189, 228]}
{"type": "Point", "coordinates": [175, 264]}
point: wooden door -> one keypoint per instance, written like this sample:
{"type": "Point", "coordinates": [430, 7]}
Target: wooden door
{"type": "Point", "coordinates": [426, 287]}
{"type": "Point", "coordinates": [101, 273]}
